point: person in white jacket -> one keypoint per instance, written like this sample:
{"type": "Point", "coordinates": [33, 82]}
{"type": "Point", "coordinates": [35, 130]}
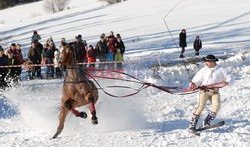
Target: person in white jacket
{"type": "Point", "coordinates": [57, 61]}
{"type": "Point", "coordinates": [209, 75]}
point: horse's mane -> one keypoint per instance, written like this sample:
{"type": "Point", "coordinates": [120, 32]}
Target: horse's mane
{"type": "Point", "coordinates": [69, 56]}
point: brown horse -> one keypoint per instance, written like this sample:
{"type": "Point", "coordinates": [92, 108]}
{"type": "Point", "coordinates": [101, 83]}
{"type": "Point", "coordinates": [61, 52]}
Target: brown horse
{"type": "Point", "coordinates": [78, 90]}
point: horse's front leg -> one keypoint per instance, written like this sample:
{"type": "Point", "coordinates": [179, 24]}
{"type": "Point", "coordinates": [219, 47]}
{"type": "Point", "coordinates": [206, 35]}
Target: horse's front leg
{"type": "Point", "coordinates": [91, 101]}
{"type": "Point", "coordinates": [71, 104]}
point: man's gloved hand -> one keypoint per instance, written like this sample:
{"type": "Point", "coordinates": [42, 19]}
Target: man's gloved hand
{"type": "Point", "coordinates": [192, 86]}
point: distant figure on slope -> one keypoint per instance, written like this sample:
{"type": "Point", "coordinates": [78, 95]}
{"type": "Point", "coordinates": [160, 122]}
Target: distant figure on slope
{"type": "Point", "coordinates": [209, 75]}
{"type": "Point", "coordinates": [182, 42]}
{"type": "Point", "coordinates": [197, 45]}
{"type": "Point", "coordinates": [35, 36]}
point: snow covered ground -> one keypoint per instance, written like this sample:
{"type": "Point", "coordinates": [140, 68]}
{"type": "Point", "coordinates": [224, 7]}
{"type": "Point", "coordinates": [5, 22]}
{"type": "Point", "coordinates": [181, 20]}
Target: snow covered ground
{"type": "Point", "coordinates": [28, 113]}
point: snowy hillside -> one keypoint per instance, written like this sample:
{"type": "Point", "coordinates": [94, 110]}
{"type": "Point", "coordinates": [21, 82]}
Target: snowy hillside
{"type": "Point", "coordinates": [28, 112]}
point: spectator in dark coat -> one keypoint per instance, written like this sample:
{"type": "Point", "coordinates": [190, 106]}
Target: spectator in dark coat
{"type": "Point", "coordinates": [80, 55]}
{"type": "Point", "coordinates": [119, 44]}
{"type": "Point", "coordinates": [34, 56]}
{"type": "Point", "coordinates": [197, 45]}
{"type": "Point", "coordinates": [182, 42]}
{"type": "Point", "coordinates": [84, 42]}
{"type": "Point", "coordinates": [2, 70]}
{"type": "Point", "coordinates": [111, 35]}
{"type": "Point", "coordinates": [49, 54]}
{"type": "Point", "coordinates": [39, 46]}
{"type": "Point", "coordinates": [13, 72]}
{"type": "Point", "coordinates": [19, 56]}
{"type": "Point", "coordinates": [102, 51]}
{"type": "Point", "coordinates": [80, 50]}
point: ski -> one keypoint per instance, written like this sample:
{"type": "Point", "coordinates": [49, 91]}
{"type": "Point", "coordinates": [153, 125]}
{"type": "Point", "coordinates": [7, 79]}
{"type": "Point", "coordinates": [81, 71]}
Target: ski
{"type": "Point", "coordinates": [219, 124]}
{"type": "Point", "coordinates": [198, 130]}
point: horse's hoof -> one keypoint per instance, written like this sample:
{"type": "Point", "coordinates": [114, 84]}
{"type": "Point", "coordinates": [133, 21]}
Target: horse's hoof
{"type": "Point", "coordinates": [95, 122]}
{"type": "Point", "coordinates": [83, 115]}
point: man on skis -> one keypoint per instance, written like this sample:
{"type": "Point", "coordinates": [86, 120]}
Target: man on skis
{"type": "Point", "coordinates": [209, 75]}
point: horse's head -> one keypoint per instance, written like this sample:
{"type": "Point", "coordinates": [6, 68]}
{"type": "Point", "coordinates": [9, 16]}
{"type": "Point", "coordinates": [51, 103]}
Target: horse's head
{"type": "Point", "coordinates": [69, 56]}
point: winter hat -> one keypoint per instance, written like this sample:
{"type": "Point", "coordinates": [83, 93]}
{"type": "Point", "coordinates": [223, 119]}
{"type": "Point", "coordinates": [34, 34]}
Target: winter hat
{"type": "Point", "coordinates": [210, 58]}
{"type": "Point", "coordinates": [9, 51]}
{"type": "Point", "coordinates": [13, 44]}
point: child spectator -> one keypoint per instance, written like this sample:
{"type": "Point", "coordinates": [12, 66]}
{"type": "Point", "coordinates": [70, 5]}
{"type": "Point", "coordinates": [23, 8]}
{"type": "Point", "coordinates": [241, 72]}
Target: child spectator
{"type": "Point", "coordinates": [119, 58]}
{"type": "Point", "coordinates": [110, 59]}
{"type": "Point", "coordinates": [197, 45]}
{"type": "Point", "coordinates": [91, 56]}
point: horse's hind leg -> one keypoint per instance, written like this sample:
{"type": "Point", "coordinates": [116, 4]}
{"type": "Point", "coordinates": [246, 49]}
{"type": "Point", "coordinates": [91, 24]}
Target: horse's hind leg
{"type": "Point", "coordinates": [62, 116]}
{"type": "Point", "coordinates": [91, 100]}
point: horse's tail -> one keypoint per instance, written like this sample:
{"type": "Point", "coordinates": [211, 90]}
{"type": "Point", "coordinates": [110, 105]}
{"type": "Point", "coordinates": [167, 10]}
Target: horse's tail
{"type": "Point", "coordinates": [58, 108]}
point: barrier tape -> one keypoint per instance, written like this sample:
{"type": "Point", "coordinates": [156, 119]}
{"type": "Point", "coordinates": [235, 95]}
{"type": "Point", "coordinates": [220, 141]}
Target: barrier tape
{"type": "Point", "coordinates": [128, 61]}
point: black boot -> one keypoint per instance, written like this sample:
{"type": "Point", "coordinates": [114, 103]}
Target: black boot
{"type": "Point", "coordinates": [211, 115]}
{"type": "Point", "coordinates": [193, 122]}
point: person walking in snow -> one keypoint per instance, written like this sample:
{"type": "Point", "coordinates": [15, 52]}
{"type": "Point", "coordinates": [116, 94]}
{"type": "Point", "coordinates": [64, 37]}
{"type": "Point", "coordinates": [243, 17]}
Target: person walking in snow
{"type": "Point", "coordinates": [197, 45]}
{"type": "Point", "coordinates": [210, 74]}
{"type": "Point", "coordinates": [182, 42]}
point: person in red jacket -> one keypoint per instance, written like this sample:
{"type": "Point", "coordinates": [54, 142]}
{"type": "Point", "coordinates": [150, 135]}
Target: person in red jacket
{"type": "Point", "coordinates": [111, 44]}
{"type": "Point", "coordinates": [91, 56]}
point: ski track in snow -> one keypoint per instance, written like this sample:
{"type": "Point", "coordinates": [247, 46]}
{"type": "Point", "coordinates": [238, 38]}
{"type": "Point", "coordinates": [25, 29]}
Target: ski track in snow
{"type": "Point", "coordinates": [29, 116]}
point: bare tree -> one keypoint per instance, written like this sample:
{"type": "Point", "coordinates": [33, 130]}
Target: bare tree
{"type": "Point", "coordinates": [55, 5]}
{"type": "Point", "coordinates": [61, 4]}
{"type": "Point", "coordinates": [49, 6]}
